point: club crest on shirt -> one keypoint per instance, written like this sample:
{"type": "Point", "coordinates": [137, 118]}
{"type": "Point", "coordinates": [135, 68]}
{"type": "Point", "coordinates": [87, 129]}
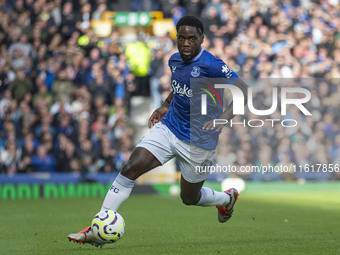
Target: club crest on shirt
{"type": "Point", "coordinates": [195, 71]}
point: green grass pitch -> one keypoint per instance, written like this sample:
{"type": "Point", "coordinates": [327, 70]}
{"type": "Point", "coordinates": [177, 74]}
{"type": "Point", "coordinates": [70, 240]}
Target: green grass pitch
{"type": "Point", "coordinates": [291, 219]}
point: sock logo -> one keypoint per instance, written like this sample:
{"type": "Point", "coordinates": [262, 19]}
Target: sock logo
{"type": "Point", "coordinates": [114, 189]}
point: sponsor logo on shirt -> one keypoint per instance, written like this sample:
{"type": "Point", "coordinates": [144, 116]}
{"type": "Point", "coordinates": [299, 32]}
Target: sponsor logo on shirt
{"type": "Point", "coordinates": [181, 90]}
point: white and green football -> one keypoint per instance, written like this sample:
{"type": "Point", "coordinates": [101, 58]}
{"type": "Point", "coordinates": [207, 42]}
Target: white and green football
{"type": "Point", "coordinates": [108, 226]}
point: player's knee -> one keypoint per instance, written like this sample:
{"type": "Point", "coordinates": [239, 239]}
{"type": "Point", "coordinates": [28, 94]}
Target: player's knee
{"type": "Point", "coordinates": [128, 171]}
{"type": "Point", "coordinates": [189, 200]}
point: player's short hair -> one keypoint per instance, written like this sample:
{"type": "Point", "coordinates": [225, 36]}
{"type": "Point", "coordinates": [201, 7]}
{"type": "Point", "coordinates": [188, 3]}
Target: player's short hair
{"type": "Point", "coordinates": [192, 21]}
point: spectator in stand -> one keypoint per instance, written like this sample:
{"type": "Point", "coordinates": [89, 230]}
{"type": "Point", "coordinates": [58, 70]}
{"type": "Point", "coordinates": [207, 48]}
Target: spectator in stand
{"type": "Point", "coordinates": [84, 17]}
{"type": "Point", "coordinates": [100, 87]}
{"type": "Point", "coordinates": [65, 127]}
{"type": "Point", "coordinates": [66, 153]}
{"type": "Point", "coordinates": [69, 19]}
{"type": "Point", "coordinates": [212, 22]}
{"type": "Point", "coordinates": [98, 13]}
{"type": "Point", "coordinates": [107, 155]}
{"type": "Point", "coordinates": [10, 157]}
{"type": "Point", "coordinates": [5, 102]}
{"type": "Point", "coordinates": [42, 96]}
{"type": "Point", "coordinates": [63, 87]}
{"type": "Point", "coordinates": [28, 151]}
{"type": "Point", "coordinates": [165, 87]}
{"type": "Point", "coordinates": [4, 81]}
{"type": "Point", "coordinates": [124, 151]}
{"type": "Point", "coordinates": [19, 52]}
{"type": "Point", "coordinates": [82, 69]}
{"type": "Point", "coordinates": [42, 162]}
{"type": "Point", "coordinates": [157, 68]}
{"type": "Point", "coordinates": [193, 7]}
{"type": "Point", "coordinates": [21, 85]}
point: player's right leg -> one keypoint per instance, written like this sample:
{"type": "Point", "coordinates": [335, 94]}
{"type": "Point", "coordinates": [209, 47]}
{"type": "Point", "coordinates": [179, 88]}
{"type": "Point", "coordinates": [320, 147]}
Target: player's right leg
{"type": "Point", "coordinates": [140, 162]}
{"type": "Point", "coordinates": [152, 151]}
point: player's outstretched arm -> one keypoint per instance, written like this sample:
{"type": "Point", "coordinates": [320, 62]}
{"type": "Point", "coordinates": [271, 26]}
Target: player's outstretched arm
{"type": "Point", "coordinates": [159, 113]}
{"type": "Point", "coordinates": [228, 113]}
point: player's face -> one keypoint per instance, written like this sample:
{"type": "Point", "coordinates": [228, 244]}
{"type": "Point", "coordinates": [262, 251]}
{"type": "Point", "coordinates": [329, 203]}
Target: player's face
{"type": "Point", "coordinates": [189, 42]}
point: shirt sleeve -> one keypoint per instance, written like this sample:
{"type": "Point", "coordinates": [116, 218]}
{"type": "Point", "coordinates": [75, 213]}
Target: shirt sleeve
{"type": "Point", "coordinates": [219, 69]}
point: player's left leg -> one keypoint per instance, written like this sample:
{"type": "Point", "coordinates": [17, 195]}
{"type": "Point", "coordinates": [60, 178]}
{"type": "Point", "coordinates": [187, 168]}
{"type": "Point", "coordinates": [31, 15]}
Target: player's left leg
{"type": "Point", "coordinates": [191, 192]}
{"type": "Point", "coordinates": [192, 160]}
{"type": "Point", "coordinates": [195, 194]}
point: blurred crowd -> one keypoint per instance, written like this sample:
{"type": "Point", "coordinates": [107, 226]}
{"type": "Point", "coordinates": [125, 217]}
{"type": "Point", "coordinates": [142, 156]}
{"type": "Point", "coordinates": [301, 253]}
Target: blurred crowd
{"type": "Point", "coordinates": [65, 94]}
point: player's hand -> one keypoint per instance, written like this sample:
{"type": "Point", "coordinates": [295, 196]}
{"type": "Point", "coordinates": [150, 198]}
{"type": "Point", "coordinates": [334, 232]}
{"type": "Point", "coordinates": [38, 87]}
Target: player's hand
{"type": "Point", "coordinates": [158, 115]}
{"type": "Point", "coordinates": [209, 125]}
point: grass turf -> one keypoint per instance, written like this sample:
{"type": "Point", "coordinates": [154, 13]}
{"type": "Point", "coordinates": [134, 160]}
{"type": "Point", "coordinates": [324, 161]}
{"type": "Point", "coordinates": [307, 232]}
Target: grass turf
{"type": "Point", "coordinates": [275, 222]}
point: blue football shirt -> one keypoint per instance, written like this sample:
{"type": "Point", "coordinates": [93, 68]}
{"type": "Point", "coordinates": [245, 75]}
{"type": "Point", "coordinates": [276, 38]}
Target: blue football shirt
{"type": "Point", "coordinates": [184, 117]}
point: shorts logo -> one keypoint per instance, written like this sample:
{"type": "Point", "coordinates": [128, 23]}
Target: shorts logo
{"type": "Point", "coordinates": [195, 71]}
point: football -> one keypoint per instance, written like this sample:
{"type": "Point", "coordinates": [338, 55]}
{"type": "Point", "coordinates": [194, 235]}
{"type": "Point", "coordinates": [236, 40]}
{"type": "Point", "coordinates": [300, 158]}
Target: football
{"type": "Point", "coordinates": [108, 226]}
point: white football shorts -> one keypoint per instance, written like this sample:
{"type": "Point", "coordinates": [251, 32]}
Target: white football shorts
{"type": "Point", "coordinates": [164, 145]}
